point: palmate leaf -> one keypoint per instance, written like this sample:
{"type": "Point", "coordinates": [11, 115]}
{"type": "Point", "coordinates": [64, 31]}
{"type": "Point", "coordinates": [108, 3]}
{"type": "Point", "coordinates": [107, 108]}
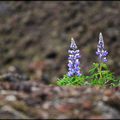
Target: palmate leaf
{"type": "Point", "coordinates": [101, 76]}
{"type": "Point", "coordinates": [93, 70]}
{"type": "Point", "coordinates": [96, 76]}
{"type": "Point", "coordinates": [104, 66]}
{"type": "Point", "coordinates": [96, 65]}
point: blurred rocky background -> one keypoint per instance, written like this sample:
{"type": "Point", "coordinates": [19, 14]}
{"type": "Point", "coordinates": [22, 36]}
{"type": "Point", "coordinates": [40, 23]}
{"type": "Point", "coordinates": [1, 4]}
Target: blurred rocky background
{"type": "Point", "coordinates": [34, 40]}
{"type": "Point", "coordinates": [35, 36]}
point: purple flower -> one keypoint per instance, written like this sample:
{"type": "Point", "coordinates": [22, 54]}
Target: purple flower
{"type": "Point", "coordinates": [73, 60]}
{"type": "Point", "coordinates": [101, 52]}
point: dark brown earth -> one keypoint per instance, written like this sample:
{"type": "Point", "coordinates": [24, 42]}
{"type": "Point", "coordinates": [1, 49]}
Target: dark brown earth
{"type": "Point", "coordinates": [35, 36]}
{"type": "Point", "coordinates": [34, 40]}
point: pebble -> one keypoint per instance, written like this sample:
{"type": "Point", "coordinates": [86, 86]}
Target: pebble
{"type": "Point", "coordinates": [34, 89]}
{"type": "Point", "coordinates": [87, 105]}
{"type": "Point", "coordinates": [105, 98]}
{"type": "Point", "coordinates": [46, 105]}
{"type": "Point", "coordinates": [10, 98]}
{"type": "Point", "coordinates": [108, 92]}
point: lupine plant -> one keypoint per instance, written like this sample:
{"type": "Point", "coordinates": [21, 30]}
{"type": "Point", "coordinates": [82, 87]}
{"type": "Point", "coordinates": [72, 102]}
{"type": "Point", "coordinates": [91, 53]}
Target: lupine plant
{"type": "Point", "coordinates": [74, 76]}
{"type": "Point", "coordinates": [102, 53]}
{"type": "Point", "coordinates": [99, 74]}
{"type": "Point", "coordinates": [73, 60]}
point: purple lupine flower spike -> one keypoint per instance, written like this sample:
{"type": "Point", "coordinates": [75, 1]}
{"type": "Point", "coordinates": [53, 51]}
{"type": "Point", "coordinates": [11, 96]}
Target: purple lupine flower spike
{"type": "Point", "coordinates": [101, 52]}
{"type": "Point", "coordinates": [73, 60]}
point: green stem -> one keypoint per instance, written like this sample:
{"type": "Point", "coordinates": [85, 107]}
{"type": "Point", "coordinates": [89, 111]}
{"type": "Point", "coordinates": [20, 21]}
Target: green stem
{"type": "Point", "coordinates": [99, 70]}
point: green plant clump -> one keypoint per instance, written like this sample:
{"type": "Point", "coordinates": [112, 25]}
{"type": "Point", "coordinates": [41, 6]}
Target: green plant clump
{"type": "Point", "coordinates": [99, 75]}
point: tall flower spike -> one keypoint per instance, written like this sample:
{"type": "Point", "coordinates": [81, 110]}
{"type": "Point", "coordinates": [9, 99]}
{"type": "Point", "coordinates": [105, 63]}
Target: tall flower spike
{"type": "Point", "coordinates": [73, 44]}
{"type": "Point", "coordinates": [73, 60]}
{"type": "Point", "coordinates": [101, 52]}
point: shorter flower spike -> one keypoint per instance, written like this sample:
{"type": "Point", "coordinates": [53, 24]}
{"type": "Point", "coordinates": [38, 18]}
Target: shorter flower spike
{"type": "Point", "coordinates": [73, 60]}
{"type": "Point", "coordinates": [101, 52]}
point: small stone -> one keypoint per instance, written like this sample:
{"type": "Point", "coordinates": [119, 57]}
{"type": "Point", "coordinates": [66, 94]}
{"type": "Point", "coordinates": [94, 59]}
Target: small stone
{"type": "Point", "coordinates": [88, 90]}
{"type": "Point", "coordinates": [64, 108]}
{"type": "Point", "coordinates": [34, 89]}
{"type": "Point", "coordinates": [12, 68]}
{"type": "Point", "coordinates": [3, 92]}
{"type": "Point", "coordinates": [46, 105]}
{"type": "Point", "coordinates": [87, 105]}
{"type": "Point", "coordinates": [108, 92]}
{"type": "Point", "coordinates": [105, 98]}
{"type": "Point", "coordinates": [10, 98]}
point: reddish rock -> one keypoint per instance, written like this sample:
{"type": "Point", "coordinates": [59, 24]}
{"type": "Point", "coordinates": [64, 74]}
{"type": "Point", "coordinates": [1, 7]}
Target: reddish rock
{"type": "Point", "coordinates": [108, 93]}
{"type": "Point", "coordinates": [87, 104]}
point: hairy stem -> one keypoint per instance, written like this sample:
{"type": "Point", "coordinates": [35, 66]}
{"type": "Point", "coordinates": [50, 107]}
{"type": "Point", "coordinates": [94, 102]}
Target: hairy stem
{"type": "Point", "coordinates": [100, 70]}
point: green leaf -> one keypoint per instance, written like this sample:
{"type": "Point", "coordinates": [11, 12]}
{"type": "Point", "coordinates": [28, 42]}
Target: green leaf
{"type": "Point", "coordinates": [104, 66]}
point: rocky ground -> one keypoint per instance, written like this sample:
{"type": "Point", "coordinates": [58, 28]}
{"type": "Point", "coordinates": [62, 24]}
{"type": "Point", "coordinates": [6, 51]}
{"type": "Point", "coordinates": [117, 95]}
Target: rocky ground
{"type": "Point", "coordinates": [32, 100]}
{"type": "Point", "coordinates": [34, 39]}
